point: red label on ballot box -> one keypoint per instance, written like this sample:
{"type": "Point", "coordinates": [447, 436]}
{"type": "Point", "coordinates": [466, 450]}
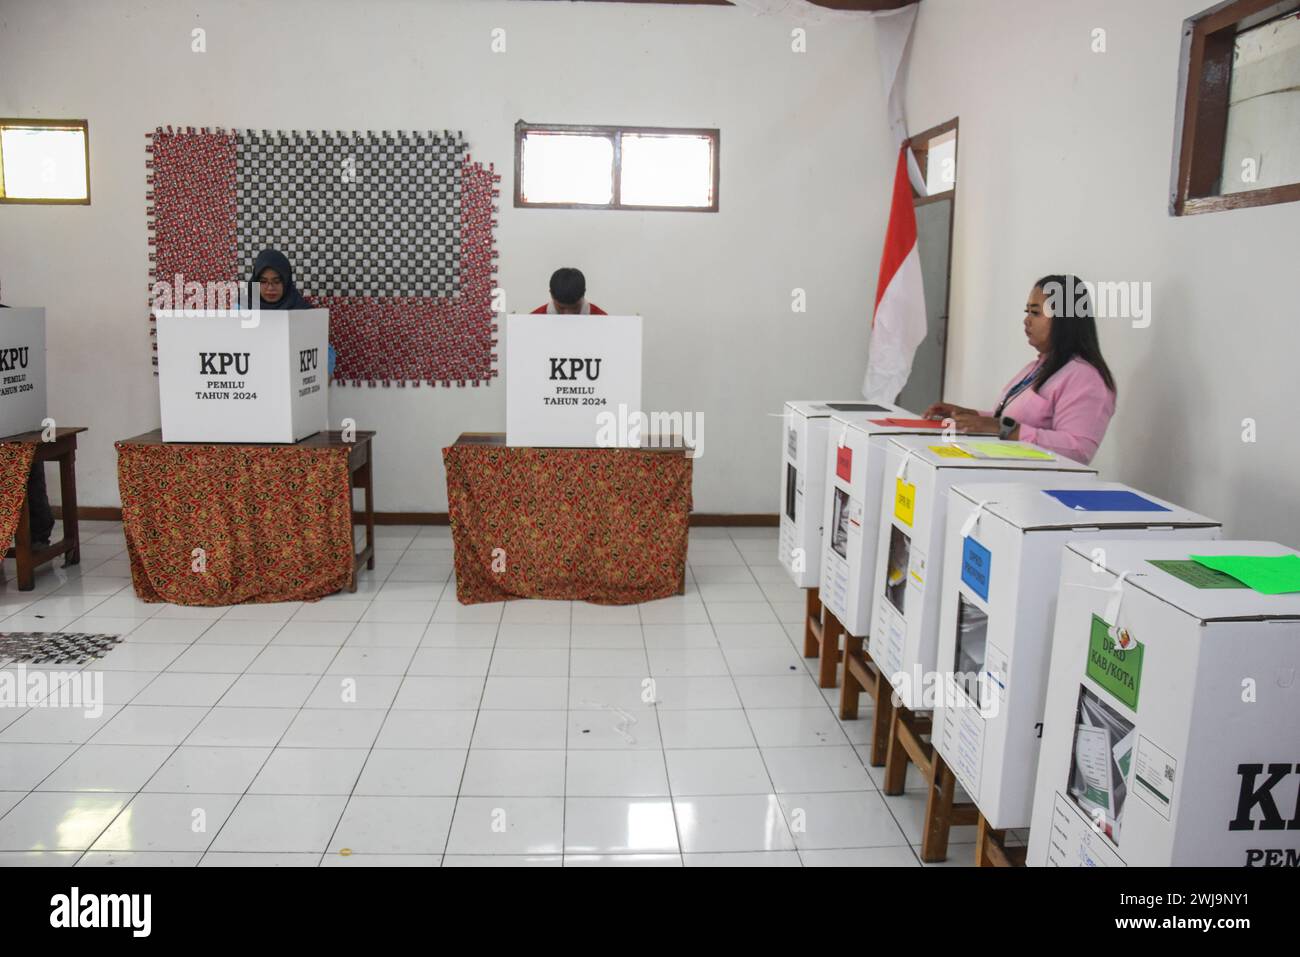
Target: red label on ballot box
{"type": "Point", "coordinates": [844, 463]}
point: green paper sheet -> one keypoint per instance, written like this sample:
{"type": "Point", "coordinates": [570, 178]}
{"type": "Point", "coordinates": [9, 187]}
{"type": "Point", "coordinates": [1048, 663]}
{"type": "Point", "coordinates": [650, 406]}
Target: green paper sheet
{"type": "Point", "coordinates": [1196, 574]}
{"type": "Point", "coordinates": [1010, 450]}
{"type": "Point", "coordinates": [1268, 575]}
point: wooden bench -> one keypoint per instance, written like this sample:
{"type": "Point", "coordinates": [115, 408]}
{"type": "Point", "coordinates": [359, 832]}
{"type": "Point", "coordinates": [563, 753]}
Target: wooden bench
{"type": "Point", "coordinates": [908, 742]}
{"type": "Point", "coordinates": [821, 639]}
{"type": "Point", "coordinates": [863, 675]}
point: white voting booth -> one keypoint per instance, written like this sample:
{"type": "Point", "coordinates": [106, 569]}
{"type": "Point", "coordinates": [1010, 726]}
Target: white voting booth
{"type": "Point", "coordinates": [1173, 713]}
{"type": "Point", "coordinates": [854, 470]}
{"type": "Point", "coordinates": [22, 370]}
{"type": "Point", "coordinates": [1002, 566]}
{"type": "Point", "coordinates": [573, 381]}
{"type": "Point", "coordinates": [805, 427]}
{"type": "Point", "coordinates": [262, 377]}
{"type": "Point", "coordinates": [918, 471]}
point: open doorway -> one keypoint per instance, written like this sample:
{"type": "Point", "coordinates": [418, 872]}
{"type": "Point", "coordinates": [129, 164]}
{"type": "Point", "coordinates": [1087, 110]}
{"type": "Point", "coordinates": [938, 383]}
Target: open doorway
{"type": "Point", "coordinates": [936, 153]}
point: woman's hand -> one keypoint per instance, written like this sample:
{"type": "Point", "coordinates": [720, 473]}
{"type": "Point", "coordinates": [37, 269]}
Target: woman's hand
{"type": "Point", "coordinates": [970, 422]}
{"type": "Point", "coordinates": [946, 410]}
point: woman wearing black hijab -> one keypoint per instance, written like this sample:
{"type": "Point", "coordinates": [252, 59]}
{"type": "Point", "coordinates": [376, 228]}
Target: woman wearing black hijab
{"type": "Point", "coordinates": [271, 268]}
{"type": "Point", "coordinates": [38, 502]}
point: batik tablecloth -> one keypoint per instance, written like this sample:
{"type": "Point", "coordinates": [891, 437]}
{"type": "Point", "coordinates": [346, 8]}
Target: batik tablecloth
{"type": "Point", "coordinates": [15, 467]}
{"type": "Point", "coordinates": [225, 524]}
{"type": "Point", "coordinates": [601, 525]}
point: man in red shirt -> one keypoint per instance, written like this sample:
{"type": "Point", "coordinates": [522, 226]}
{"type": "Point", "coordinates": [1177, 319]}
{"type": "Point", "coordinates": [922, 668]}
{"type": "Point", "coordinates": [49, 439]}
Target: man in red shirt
{"type": "Point", "coordinates": [568, 295]}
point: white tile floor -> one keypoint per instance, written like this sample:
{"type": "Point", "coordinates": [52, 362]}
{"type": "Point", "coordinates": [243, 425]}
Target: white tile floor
{"type": "Point", "coordinates": [396, 727]}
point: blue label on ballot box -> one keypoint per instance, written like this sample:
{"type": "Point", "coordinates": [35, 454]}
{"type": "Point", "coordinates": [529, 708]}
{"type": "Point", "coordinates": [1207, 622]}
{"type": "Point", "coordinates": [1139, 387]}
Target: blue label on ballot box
{"type": "Point", "coordinates": [975, 565]}
{"type": "Point", "coordinates": [1103, 500]}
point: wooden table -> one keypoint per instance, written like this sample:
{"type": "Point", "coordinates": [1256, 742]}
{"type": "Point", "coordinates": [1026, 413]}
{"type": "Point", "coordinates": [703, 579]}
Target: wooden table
{"type": "Point", "coordinates": [62, 449]}
{"type": "Point", "coordinates": [360, 474]}
{"type": "Point", "coordinates": [510, 500]}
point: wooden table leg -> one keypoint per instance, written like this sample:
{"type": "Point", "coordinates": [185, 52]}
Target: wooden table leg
{"type": "Point", "coordinates": [68, 492]}
{"type": "Point", "coordinates": [991, 848]}
{"type": "Point", "coordinates": [23, 548]}
{"type": "Point", "coordinates": [851, 690]}
{"type": "Point", "coordinates": [895, 756]}
{"type": "Point", "coordinates": [812, 622]}
{"type": "Point", "coordinates": [981, 841]}
{"type": "Point", "coordinates": [938, 812]}
{"type": "Point", "coordinates": [370, 509]}
{"type": "Point", "coordinates": [830, 650]}
{"type": "Point", "coordinates": [882, 721]}
{"type": "Point", "coordinates": [353, 483]}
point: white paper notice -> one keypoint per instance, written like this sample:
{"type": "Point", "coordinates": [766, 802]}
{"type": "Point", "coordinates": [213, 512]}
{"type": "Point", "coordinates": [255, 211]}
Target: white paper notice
{"type": "Point", "coordinates": [916, 570]}
{"type": "Point", "coordinates": [1153, 776]}
{"type": "Point", "coordinates": [835, 585]}
{"type": "Point", "coordinates": [963, 740]}
{"type": "Point", "coordinates": [883, 621]}
{"type": "Point", "coordinates": [1074, 842]}
{"type": "Point", "coordinates": [997, 666]}
{"type": "Point", "coordinates": [894, 651]}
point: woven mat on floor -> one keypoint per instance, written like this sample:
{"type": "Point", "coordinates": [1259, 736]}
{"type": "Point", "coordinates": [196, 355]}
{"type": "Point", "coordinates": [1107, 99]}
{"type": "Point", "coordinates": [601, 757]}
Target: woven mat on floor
{"type": "Point", "coordinates": [54, 647]}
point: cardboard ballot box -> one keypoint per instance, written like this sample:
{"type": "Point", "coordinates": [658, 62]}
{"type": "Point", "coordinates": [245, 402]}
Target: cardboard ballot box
{"type": "Point", "coordinates": [803, 481]}
{"type": "Point", "coordinates": [257, 378]}
{"type": "Point", "coordinates": [22, 370]}
{"type": "Point", "coordinates": [1002, 566]}
{"type": "Point", "coordinates": [917, 473]}
{"type": "Point", "coordinates": [574, 381]}
{"type": "Point", "coordinates": [1172, 725]}
{"type": "Point", "coordinates": [855, 454]}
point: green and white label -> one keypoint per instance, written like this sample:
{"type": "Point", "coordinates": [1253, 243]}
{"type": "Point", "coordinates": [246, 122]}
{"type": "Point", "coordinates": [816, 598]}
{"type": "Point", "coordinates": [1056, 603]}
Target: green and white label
{"type": "Point", "coordinates": [1118, 670]}
{"type": "Point", "coordinates": [1153, 777]}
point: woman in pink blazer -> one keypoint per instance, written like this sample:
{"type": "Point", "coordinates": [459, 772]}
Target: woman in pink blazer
{"type": "Point", "coordinates": [1063, 400]}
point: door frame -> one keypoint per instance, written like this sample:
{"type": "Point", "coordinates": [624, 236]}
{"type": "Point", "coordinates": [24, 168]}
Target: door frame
{"type": "Point", "coordinates": [919, 144]}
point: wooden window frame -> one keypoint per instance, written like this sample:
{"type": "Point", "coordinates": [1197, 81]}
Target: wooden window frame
{"type": "Point", "coordinates": [1204, 90]}
{"type": "Point", "coordinates": [615, 134]}
{"type": "Point", "coordinates": [919, 144]}
{"type": "Point", "coordinates": [82, 125]}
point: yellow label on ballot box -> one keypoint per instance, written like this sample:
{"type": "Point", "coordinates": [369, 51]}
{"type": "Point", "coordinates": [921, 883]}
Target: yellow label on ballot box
{"type": "Point", "coordinates": [904, 501]}
{"type": "Point", "coordinates": [950, 452]}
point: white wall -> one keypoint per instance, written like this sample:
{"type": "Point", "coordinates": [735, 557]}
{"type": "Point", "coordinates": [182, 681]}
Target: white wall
{"type": "Point", "coordinates": [1063, 166]}
{"type": "Point", "coordinates": [805, 168]}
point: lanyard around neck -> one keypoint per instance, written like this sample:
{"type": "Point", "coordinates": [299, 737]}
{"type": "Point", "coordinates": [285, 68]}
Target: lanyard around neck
{"type": "Point", "coordinates": [1015, 390]}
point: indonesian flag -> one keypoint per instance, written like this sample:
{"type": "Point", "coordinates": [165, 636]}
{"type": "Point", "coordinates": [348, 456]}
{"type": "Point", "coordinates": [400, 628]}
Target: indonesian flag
{"type": "Point", "coordinates": [898, 324]}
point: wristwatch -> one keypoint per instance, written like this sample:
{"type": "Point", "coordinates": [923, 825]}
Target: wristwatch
{"type": "Point", "coordinates": [1009, 425]}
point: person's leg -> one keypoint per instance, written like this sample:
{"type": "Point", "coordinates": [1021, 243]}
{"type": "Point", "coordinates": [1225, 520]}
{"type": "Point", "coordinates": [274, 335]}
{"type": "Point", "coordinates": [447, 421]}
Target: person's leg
{"type": "Point", "coordinates": [39, 503]}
